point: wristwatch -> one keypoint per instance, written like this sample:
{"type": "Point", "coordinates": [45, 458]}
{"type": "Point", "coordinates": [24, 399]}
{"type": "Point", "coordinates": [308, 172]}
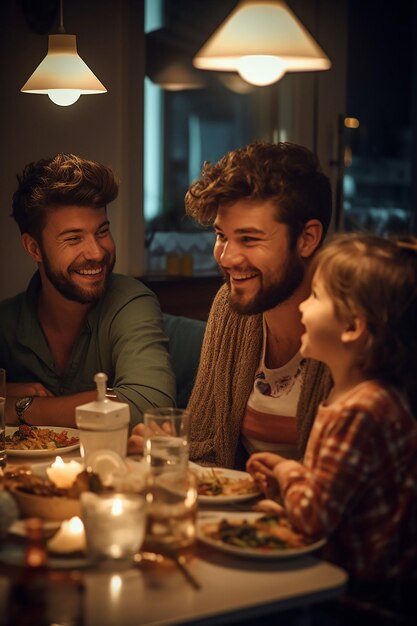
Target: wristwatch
{"type": "Point", "coordinates": [22, 404]}
{"type": "Point", "coordinates": [110, 395]}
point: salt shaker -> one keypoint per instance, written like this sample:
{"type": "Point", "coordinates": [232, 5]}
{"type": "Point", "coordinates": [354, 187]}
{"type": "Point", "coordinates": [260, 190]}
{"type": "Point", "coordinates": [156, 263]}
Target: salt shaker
{"type": "Point", "coordinates": [102, 424]}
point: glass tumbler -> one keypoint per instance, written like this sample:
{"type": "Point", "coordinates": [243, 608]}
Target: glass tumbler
{"type": "Point", "coordinates": [165, 439]}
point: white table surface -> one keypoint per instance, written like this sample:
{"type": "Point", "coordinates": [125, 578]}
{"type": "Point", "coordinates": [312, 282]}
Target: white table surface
{"type": "Point", "coordinates": [232, 588]}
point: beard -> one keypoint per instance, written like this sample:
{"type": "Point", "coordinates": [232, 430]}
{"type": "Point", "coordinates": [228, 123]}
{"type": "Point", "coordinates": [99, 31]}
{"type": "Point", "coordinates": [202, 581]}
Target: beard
{"type": "Point", "coordinates": [63, 283]}
{"type": "Point", "coordinates": [272, 295]}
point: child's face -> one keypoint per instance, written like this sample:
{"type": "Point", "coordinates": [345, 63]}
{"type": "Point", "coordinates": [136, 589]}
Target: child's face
{"type": "Point", "coordinates": [322, 339]}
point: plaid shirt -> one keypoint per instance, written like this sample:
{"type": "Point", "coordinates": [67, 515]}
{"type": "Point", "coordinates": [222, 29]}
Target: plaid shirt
{"type": "Point", "coordinates": [358, 483]}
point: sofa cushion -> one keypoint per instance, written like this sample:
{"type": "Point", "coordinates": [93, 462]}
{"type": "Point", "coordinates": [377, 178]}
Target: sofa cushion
{"type": "Point", "coordinates": [185, 338]}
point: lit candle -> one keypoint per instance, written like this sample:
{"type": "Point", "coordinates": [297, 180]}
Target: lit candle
{"type": "Point", "coordinates": [114, 524]}
{"type": "Point", "coordinates": [64, 474]}
{"type": "Point", "coordinates": [69, 538]}
{"type": "Point", "coordinates": [117, 506]}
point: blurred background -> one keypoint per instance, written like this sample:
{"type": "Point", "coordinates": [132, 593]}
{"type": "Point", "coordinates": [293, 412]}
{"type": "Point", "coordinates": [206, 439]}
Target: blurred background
{"type": "Point", "coordinates": [161, 118]}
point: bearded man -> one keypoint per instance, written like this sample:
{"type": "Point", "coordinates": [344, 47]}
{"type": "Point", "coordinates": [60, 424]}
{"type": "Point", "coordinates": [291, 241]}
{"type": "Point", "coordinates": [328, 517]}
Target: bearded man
{"type": "Point", "coordinates": [76, 317]}
{"type": "Point", "coordinates": [270, 205]}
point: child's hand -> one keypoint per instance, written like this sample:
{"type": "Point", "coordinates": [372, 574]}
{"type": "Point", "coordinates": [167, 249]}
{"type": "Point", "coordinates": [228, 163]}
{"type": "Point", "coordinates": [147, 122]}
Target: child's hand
{"type": "Point", "coordinates": [265, 460]}
{"type": "Point", "coordinates": [269, 506]}
{"type": "Point", "coordinates": [260, 466]}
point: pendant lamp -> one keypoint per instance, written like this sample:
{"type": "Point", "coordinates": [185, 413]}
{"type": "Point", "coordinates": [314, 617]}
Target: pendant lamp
{"type": "Point", "coordinates": [261, 40]}
{"type": "Point", "coordinates": [62, 75]}
{"type": "Point", "coordinates": [168, 64]}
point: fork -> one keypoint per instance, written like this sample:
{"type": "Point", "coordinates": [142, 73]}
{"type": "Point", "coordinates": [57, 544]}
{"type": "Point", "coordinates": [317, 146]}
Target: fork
{"type": "Point", "coordinates": [160, 552]}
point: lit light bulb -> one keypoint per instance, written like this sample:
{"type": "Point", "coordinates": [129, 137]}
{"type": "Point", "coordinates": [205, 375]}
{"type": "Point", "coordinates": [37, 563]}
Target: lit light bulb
{"type": "Point", "coordinates": [261, 69]}
{"type": "Point", "coordinates": [64, 97]}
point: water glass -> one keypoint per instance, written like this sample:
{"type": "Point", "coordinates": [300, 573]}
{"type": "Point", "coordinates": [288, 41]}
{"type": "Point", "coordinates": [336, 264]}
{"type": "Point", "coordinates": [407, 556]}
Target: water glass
{"type": "Point", "coordinates": [171, 505]}
{"type": "Point", "coordinates": [3, 455]}
{"type": "Point", "coordinates": [114, 524]}
{"type": "Point", "coordinates": [165, 439]}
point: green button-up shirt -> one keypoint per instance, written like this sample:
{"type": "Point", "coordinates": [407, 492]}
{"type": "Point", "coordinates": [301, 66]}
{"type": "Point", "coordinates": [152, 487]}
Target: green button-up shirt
{"type": "Point", "coordinates": [122, 336]}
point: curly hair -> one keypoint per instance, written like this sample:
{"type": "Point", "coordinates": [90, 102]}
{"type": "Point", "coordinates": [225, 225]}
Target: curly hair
{"type": "Point", "coordinates": [376, 278]}
{"type": "Point", "coordinates": [63, 180]}
{"type": "Point", "coordinates": [285, 173]}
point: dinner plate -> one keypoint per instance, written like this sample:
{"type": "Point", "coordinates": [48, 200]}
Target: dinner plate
{"type": "Point", "coordinates": [14, 554]}
{"type": "Point", "coordinates": [72, 432]}
{"type": "Point", "coordinates": [226, 473]}
{"type": "Point", "coordinates": [253, 553]}
{"type": "Point", "coordinates": [19, 528]}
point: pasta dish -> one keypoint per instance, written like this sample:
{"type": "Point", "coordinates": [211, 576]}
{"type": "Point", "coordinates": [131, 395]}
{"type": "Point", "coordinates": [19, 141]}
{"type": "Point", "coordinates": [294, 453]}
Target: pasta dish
{"type": "Point", "coordinates": [214, 483]}
{"type": "Point", "coordinates": [38, 438]}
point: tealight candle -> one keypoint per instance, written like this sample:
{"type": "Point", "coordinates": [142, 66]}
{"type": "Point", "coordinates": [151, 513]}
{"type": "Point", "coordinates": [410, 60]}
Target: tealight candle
{"type": "Point", "coordinates": [69, 538]}
{"type": "Point", "coordinates": [63, 474]}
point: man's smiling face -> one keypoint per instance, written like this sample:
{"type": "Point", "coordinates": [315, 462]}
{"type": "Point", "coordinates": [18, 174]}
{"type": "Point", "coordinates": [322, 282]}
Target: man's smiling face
{"type": "Point", "coordinates": [78, 252]}
{"type": "Point", "coordinates": [253, 251]}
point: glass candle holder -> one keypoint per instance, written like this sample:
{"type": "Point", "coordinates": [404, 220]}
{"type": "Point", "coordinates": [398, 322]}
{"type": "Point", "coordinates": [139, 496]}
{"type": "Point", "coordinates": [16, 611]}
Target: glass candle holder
{"type": "Point", "coordinates": [114, 524]}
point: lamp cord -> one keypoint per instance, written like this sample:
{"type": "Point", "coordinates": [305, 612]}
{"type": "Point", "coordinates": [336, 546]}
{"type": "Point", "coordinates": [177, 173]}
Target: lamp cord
{"type": "Point", "coordinates": [61, 28]}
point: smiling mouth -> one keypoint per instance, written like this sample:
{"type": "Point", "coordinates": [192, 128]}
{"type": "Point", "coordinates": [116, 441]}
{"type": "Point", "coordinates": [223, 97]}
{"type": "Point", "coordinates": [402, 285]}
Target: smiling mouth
{"type": "Point", "coordinates": [89, 272]}
{"type": "Point", "coordinates": [240, 278]}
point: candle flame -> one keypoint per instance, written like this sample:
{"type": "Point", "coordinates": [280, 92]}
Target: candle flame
{"type": "Point", "coordinates": [117, 507]}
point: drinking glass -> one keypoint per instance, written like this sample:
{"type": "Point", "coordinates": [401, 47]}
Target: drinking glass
{"type": "Point", "coordinates": [165, 439]}
{"type": "Point", "coordinates": [3, 455]}
{"type": "Point", "coordinates": [171, 510]}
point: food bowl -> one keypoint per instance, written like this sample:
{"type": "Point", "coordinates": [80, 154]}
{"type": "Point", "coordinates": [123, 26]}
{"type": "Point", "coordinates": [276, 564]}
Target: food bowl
{"type": "Point", "coordinates": [54, 508]}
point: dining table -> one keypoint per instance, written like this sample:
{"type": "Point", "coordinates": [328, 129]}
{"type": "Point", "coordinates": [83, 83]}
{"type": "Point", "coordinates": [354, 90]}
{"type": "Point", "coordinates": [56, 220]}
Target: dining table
{"type": "Point", "coordinates": [211, 587]}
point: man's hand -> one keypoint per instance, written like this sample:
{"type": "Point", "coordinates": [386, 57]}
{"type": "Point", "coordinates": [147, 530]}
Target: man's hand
{"type": "Point", "coordinates": [136, 439]}
{"type": "Point", "coordinates": [46, 409]}
{"type": "Point", "coordinates": [19, 390]}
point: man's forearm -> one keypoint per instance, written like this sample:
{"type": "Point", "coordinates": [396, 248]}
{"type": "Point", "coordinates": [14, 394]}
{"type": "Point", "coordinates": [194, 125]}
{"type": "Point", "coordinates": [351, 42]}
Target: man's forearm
{"type": "Point", "coordinates": [56, 411]}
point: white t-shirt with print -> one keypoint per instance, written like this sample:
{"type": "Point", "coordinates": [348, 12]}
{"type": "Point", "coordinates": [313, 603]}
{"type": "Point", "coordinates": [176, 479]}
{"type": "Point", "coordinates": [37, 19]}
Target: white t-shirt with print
{"type": "Point", "coordinates": [269, 422]}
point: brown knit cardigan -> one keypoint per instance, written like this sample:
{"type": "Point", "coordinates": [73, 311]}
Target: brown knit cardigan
{"type": "Point", "coordinates": [229, 358]}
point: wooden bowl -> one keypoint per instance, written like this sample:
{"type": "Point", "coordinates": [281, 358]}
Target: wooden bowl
{"type": "Point", "coordinates": [46, 507]}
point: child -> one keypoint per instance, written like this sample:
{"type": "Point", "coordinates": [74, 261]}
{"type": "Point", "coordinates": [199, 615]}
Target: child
{"type": "Point", "coordinates": [357, 485]}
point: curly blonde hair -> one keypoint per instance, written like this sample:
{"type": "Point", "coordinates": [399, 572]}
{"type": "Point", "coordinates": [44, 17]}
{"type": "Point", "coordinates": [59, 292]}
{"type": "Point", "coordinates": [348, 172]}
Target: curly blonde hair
{"type": "Point", "coordinates": [285, 173]}
{"type": "Point", "coordinates": [63, 180]}
{"type": "Point", "coordinates": [376, 278]}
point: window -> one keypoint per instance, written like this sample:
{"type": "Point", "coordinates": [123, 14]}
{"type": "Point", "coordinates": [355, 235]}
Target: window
{"type": "Point", "coordinates": [379, 146]}
{"type": "Point", "coordinates": [184, 128]}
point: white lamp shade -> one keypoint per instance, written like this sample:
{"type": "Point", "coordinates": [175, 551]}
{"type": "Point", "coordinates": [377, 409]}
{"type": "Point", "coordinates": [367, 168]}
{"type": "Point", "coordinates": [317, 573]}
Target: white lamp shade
{"type": "Point", "coordinates": [63, 69]}
{"type": "Point", "coordinates": [265, 28]}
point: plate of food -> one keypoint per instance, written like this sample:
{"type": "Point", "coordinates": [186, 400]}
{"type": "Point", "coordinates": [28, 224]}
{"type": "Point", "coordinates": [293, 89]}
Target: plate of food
{"type": "Point", "coordinates": [220, 486]}
{"type": "Point", "coordinates": [37, 496]}
{"type": "Point", "coordinates": [254, 535]}
{"type": "Point", "coordinates": [38, 441]}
